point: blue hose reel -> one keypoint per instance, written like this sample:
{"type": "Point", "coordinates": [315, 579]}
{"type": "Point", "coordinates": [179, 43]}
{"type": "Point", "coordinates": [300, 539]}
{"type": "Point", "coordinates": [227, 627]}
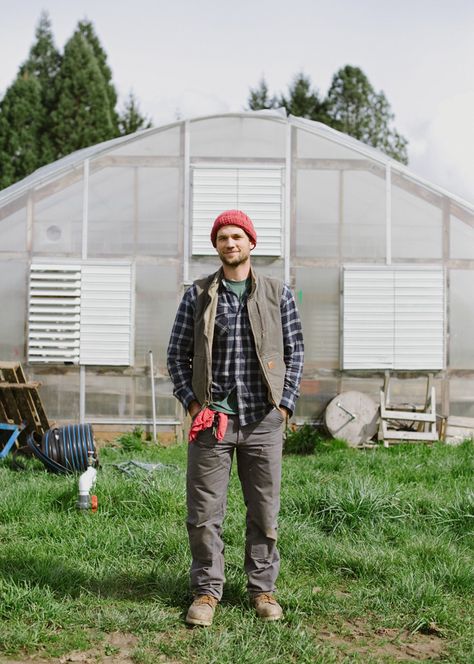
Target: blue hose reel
{"type": "Point", "coordinates": [64, 449]}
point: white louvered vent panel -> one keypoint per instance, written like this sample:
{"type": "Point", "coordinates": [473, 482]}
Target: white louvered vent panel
{"type": "Point", "coordinates": [393, 318]}
{"type": "Point", "coordinates": [54, 313]}
{"type": "Point", "coordinates": [419, 319]}
{"type": "Point", "coordinates": [106, 315]}
{"type": "Point", "coordinates": [256, 191]}
{"type": "Point", "coordinates": [368, 322]}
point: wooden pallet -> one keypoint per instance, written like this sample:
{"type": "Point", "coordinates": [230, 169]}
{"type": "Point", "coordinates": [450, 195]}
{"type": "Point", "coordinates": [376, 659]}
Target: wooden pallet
{"type": "Point", "coordinates": [20, 402]}
{"type": "Point", "coordinates": [407, 423]}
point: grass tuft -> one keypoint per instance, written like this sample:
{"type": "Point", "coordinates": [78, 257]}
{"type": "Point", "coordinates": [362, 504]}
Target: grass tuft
{"type": "Point", "coordinates": [457, 517]}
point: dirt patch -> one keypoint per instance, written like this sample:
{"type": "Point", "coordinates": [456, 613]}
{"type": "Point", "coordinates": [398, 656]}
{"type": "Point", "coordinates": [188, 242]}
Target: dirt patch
{"type": "Point", "coordinates": [356, 637]}
{"type": "Point", "coordinates": [117, 648]}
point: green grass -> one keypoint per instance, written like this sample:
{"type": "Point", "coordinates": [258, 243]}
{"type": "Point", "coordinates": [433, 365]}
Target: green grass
{"type": "Point", "coordinates": [377, 552]}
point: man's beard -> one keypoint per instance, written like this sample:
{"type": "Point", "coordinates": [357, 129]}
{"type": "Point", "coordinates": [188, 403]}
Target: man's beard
{"type": "Point", "coordinates": [233, 260]}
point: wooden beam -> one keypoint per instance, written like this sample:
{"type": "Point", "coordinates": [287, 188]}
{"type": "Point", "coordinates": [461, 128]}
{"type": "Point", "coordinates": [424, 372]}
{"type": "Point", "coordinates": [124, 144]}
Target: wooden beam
{"type": "Point", "coordinates": [20, 386]}
{"type": "Point", "coordinates": [410, 435]}
{"type": "Point", "coordinates": [9, 365]}
{"type": "Point", "coordinates": [408, 416]}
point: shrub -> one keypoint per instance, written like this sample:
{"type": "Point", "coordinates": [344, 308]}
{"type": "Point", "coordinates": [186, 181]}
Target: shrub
{"type": "Point", "coordinates": [132, 441]}
{"type": "Point", "coordinates": [307, 440]}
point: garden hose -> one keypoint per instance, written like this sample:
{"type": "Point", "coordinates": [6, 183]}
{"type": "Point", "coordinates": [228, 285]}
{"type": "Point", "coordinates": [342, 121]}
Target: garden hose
{"type": "Point", "coordinates": [64, 449]}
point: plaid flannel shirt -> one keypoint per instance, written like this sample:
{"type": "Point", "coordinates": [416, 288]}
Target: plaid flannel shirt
{"type": "Point", "coordinates": [234, 359]}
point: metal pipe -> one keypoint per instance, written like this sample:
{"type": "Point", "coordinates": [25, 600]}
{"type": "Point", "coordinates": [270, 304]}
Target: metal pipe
{"type": "Point", "coordinates": [85, 234]}
{"type": "Point", "coordinates": [287, 211]}
{"type": "Point", "coordinates": [153, 404]}
{"type": "Point", "coordinates": [82, 394]}
{"type": "Point", "coordinates": [388, 215]}
{"type": "Point", "coordinates": [85, 209]}
{"type": "Point", "coordinates": [186, 192]}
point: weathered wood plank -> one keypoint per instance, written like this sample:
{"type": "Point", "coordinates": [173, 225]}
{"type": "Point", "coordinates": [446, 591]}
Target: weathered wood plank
{"type": "Point", "coordinates": [19, 399]}
{"type": "Point", "coordinates": [410, 435]}
{"type": "Point", "coordinates": [9, 376]}
{"type": "Point", "coordinates": [20, 374]}
{"type": "Point", "coordinates": [3, 414]}
{"type": "Point", "coordinates": [9, 365]}
{"type": "Point", "coordinates": [10, 406]}
{"type": "Point", "coordinates": [407, 416]}
{"type": "Point", "coordinates": [39, 409]}
{"type": "Point", "coordinates": [20, 386]}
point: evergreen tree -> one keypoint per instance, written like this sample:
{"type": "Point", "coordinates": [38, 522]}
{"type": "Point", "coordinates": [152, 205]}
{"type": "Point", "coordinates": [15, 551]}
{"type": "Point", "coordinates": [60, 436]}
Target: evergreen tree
{"type": "Point", "coordinates": [83, 115]}
{"type": "Point", "coordinates": [21, 117]}
{"type": "Point", "coordinates": [351, 106]}
{"type": "Point", "coordinates": [43, 62]}
{"type": "Point", "coordinates": [86, 28]}
{"type": "Point", "coordinates": [131, 120]}
{"type": "Point", "coordinates": [302, 100]}
{"type": "Point", "coordinates": [354, 107]}
{"type": "Point", "coordinates": [259, 99]}
{"type": "Point", "coordinates": [60, 104]}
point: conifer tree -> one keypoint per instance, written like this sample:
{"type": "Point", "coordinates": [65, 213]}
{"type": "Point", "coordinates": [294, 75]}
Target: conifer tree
{"type": "Point", "coordinates": [83, 115]}
{"type": "Point", "coordinates": [58, 104]}
{"type": "Point", "coordinates": [131, 119]}
{"type": "Point", "coordinates": [355, 108]}
{"type": "Point", "coordinates": [21, 116]}
{"type": "Point", "coordinates": [86, 28]}
{"type": "Point", "coordinates": [351, 106]}
{"type": "Point", "coordinates": [259, 99]}
{"type": "Point", "coordinates": [43, 62]}
{"type": "Point", "coordinates": [44, 59]}
{"type": "Point", "coordinates": [302, 100]}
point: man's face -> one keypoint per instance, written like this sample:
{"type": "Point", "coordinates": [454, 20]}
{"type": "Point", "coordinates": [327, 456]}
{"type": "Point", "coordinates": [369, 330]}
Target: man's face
{"type": "Point", "coordinates": [233, 245]}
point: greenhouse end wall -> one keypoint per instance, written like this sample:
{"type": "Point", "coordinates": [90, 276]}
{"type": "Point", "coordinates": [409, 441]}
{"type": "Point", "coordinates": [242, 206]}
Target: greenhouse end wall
{"type": "Point", "coordinates": [132, 201]}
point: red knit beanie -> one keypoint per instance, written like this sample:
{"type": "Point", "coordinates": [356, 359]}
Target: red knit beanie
{"type": "Point", "coordinates": [234, 218]}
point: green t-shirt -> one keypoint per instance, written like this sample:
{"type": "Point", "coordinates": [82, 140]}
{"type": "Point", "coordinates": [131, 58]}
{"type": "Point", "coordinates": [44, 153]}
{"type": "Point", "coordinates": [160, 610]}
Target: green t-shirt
{"type": "Point", "coordinates": [240, 288]}
{"type": "Point", "coordinates": [229, 403]}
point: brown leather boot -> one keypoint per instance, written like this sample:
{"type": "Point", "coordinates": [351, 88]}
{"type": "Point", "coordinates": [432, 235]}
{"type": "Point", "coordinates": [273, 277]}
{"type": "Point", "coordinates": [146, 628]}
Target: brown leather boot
{"type": "Point", "coordinates": [266, 607]}
{"type": "Point", "coordinates": [201, 611]}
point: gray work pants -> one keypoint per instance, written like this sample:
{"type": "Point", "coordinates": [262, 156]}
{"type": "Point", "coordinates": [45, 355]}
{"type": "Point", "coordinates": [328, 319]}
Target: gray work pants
{"type": "Point", "coordinates": [258, 448]}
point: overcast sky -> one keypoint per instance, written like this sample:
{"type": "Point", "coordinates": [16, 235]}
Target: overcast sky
{"type": "Point", "coordinates": [185, 58]}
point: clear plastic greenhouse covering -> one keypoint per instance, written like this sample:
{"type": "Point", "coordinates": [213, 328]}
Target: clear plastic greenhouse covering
{"type": "Point", "coordinates": [97, 248]}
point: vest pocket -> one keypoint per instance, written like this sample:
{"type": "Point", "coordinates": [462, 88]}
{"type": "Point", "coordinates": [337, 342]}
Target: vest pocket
{"type": "Point", "coordinates": [274, 366]}
{"type": "Point", "coordinates": [274, 370]}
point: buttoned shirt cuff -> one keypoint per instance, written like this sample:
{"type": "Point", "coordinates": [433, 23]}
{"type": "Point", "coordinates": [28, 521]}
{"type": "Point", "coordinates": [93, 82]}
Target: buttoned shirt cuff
{"type": "Point", "coordinates": [186, 395]}
{"type": "Point", "coordinates": [288, 401]}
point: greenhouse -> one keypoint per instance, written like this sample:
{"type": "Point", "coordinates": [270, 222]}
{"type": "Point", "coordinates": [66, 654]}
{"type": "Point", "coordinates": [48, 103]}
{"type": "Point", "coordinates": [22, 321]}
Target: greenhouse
{"type": "Point", "coordinates": [97, 248]}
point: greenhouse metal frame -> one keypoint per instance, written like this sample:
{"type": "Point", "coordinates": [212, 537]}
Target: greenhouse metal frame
{"type": "Point", "coordinates": [97, 248]}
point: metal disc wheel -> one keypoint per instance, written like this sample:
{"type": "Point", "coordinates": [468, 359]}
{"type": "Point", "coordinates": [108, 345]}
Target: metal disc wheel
{"type": "Point", "coordinates": [352, 416]}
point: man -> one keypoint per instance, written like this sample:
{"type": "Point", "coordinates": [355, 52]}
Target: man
{"type": "Point", "coordinates": [235, 358]}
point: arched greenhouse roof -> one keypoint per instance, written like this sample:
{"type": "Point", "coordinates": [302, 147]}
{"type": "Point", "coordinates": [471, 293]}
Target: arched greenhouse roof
{"type": "Point", "coordinates": [51, 171]}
